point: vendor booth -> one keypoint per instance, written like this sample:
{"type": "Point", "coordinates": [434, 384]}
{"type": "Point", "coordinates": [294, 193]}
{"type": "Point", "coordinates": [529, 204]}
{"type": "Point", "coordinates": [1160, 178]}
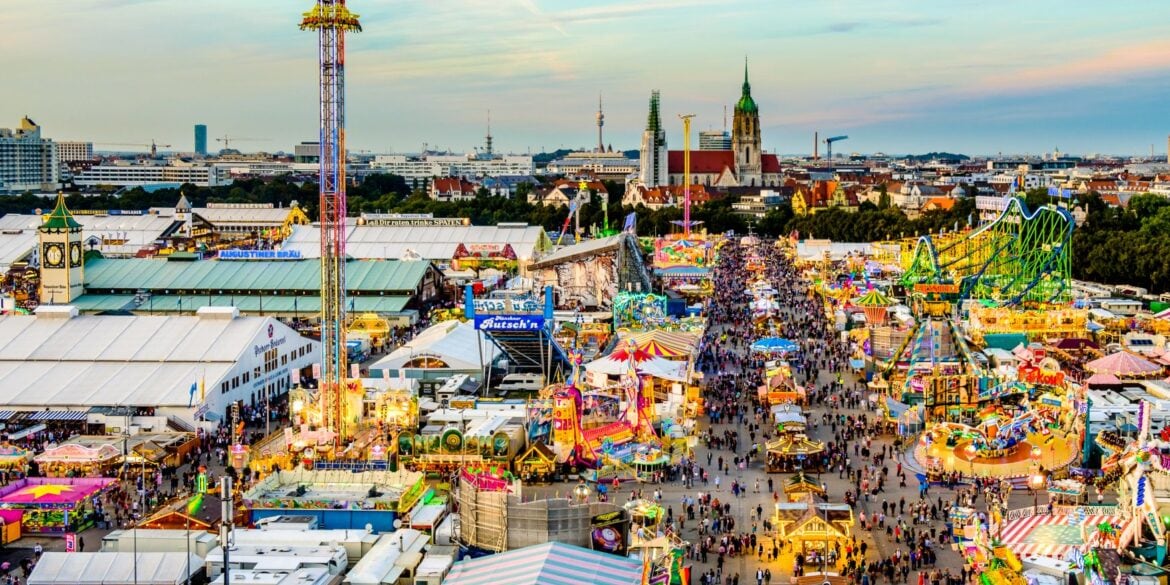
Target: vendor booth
{"type": "Point", "coordinates": [76, 460]}
{"type": "Point", "coordinates": [54, 506]}
{"type": "Point", "coordinates": [817, 532]}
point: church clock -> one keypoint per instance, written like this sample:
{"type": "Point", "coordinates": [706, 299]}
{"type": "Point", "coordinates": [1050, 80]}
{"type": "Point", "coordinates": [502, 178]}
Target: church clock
{"type": "Point", "coordinates": [54, 255]}
{"type": "Point", "coordinates": [74, 254]}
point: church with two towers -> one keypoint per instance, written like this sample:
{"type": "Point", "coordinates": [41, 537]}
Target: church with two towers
{"type": "Point", "coordinates": [745, 165]}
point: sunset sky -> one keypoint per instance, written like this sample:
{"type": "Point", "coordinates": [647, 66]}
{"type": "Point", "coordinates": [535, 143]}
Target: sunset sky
{"type": "Point", "coordinates": [973, 76]}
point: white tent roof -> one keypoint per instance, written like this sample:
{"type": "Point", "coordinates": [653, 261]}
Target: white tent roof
{"type": "Point", "coordinates": [54, 360]}
{"type": "Point", "coordinates": [114, 568]}
{"type": "Point", "coordinates": [431, 243]}
{"type": "Point", "coordinates": [452, 342]}
{"type": "Point", "coordinates": [136, 230]}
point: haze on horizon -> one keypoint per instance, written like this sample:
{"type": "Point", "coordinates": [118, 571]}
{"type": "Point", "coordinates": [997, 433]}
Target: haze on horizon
{"type": "Point", "coordinates": [978, 77]}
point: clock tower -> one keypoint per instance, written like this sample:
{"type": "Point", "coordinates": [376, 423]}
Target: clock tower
{"type": "Point", "coordinates": [61, 256]}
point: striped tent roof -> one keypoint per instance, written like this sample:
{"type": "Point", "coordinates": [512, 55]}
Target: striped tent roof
{"type": "Point", "coordinates": [679, 342]}
{"type": "Point", "coordinates": [873, 298]}
{"type": "Point", "coordinates": [552, 563]}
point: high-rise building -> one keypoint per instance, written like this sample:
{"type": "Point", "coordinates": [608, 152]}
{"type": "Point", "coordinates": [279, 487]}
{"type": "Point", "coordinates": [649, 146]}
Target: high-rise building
{"type": "Point", "coordinates": [745, 137]}
{"type": "Point", "coordinates": [201, 139]}
{"type": "Point", "coordinates": [74, 151]}
{"type": "Point", "coordinates": [653, 152]}
{"type": "Point", "coordinates": [27, 161]}
{"type": "Point", "coordinates": [714, 140]}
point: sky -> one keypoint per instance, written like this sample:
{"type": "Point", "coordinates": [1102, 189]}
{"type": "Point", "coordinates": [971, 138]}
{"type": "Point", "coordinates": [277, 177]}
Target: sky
{"type": "Point", "coordinates": [906, 76]}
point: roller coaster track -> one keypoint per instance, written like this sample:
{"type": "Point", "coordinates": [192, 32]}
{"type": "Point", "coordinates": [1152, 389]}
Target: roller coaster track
{"type": "Point", "coordinates": [1021, 256]}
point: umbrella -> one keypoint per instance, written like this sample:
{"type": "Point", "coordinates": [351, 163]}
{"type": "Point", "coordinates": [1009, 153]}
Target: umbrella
{"type": "Point", "coordinates": [775, 345]}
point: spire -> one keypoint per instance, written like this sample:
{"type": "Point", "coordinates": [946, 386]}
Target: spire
{"type": "Point", "coordinates": [653, 121]}
{"type": "Point", "coordinates": [60, 219]}
{"type": "Point", "coordinates": [746, 103]}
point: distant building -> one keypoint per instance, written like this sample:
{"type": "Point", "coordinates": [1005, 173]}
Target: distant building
{"type": "Point", "coordinates": [564, 191]}
{"type": "Point", "coordinates": [27, 161]}
{"type": "Point", "coordinates": [73, 151]}
{"type": "Point", "coordinates": [125, 174]}
{"type": "Point", "coordinates": [600, 165]}
{"type": "Point", "coordinates": [758, 203]}
{"type": "Point", "coordinates": [420, 170]}
{"type": "Point", "coordinates": [307, 152]}
{"type": "Point", "coordinates": [714, 140]}
{"type": "Point", "coordinates": [452, 189]}
{"type": "Point", "coordinates": [201, 139]}
{"type": "Point", "coordinates": [508, 185]}
{"type": "Point", "coordinates": [742, 164]}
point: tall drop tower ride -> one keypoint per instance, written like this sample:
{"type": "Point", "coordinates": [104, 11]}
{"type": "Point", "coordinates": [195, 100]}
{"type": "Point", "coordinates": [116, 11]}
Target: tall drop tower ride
{"type": "Point", "coordinates": [331, 19]}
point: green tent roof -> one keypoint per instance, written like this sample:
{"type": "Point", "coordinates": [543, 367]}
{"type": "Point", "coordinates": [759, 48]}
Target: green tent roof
{"type": "Point", "coordinates": [95, 303]}
{"type": "Point", "coordinates": [873, 298]}
{"type": "Point", "coordinates": [60, 218]}
{"type": "Point", "coordinates": [159, 276]}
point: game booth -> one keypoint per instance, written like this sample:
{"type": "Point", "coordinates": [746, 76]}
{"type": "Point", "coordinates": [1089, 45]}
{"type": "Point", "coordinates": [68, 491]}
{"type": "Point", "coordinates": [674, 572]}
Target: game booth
{"type": "Point", "coordinates": [54, 506]}
{"type": "Point", "coordinates": [13, 458]}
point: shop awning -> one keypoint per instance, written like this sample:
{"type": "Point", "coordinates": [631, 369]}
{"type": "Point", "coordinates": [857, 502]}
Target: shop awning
{"type": "Point", "coordinates": [58, 415]}
{"type": "Point", "coordinates": [6, 414]}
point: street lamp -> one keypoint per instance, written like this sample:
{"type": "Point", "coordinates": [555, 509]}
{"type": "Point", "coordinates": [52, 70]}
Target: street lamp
{"type": "Point", "coordinates": [582, 492]}
{"type": "Point", "coordinates": [1037, 483]}
{"type": "Point", "coordinates": [971, 453]}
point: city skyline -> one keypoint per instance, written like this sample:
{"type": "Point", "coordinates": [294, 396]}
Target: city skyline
{"type": "Point", "coordinates": [978, 78]}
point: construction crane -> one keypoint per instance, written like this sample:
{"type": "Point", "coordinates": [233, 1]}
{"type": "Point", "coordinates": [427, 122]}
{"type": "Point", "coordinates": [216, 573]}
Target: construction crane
{"type": "Point", "coordinates": [228, 140]}
{"type": "Point", "coordinates": [331, 19]}
{"type": "Point", "coordinates": [154, 146]}
{"type": "Point", "coordinates": [686, 120]}
{"type": "Point", "coordinates": [829, 144]}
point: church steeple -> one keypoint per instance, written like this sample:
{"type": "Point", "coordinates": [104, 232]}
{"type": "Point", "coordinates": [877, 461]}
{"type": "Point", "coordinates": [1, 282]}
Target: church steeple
{"type": "Point", "coordinates": [745, 136]}
{"type": "Point", "coordinates": [746, 104]}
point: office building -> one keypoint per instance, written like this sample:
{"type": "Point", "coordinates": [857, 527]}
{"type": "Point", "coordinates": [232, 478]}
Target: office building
{"type": "Point", "coordinates": [27, 161]}
{"type": "Point", "coordinates": [125, 174]}
{"type": "Point", "coordinates": [418, 170]}
{"type": "Point", "coordinates": [601, 165]}
{"type": "Point", "coordinates": [74, 151]}
{"type": "Point", "coordinates": [714, 140]}
{"type": "Point", "coordinates": [307, 152]}
{"type": "Point", "coordinates": [201, 139]}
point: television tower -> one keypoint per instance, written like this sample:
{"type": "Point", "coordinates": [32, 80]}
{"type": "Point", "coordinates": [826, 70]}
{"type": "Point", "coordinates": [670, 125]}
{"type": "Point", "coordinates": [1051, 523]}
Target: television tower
{"type": "Point", "coordinates": [600, 123]}
{"type": "Point", "coordinates": [331, 19]}
{"type": "Point", "coordinates": [488, 138]}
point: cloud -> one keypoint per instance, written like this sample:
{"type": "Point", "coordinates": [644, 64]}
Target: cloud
{"type": "Point", "coordinates": [869, 24]}
{"type": "Point", "coordinates": [1112, 66]}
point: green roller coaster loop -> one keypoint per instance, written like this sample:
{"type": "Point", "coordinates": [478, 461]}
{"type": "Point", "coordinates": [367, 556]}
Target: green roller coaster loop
{"type": "Point", "coordinates": [1020, 258]}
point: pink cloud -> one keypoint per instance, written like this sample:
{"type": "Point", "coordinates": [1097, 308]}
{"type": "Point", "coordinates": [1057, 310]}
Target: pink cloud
{"type": "Point", "coordinates": [1116, 64]}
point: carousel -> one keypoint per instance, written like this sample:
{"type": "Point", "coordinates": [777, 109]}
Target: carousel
{"type": "Point", "coordinates": [794, 452]}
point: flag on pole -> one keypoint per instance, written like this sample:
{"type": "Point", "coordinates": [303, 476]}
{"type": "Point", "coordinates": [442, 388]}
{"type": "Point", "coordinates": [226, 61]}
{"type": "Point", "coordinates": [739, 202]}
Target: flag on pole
{"type": "Point", "coordinates": [191, 394]}
{"type": "Point", "coordinates": [631, 220]}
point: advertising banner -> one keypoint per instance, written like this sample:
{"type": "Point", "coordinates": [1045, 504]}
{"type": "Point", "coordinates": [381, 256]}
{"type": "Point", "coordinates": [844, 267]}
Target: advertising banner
{"type": "Point", "coordinates": [509, 322]}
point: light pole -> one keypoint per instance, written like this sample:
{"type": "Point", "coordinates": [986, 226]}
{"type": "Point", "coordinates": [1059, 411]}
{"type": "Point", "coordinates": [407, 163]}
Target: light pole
{"type": "Point", "coordinates": [1037, 483]}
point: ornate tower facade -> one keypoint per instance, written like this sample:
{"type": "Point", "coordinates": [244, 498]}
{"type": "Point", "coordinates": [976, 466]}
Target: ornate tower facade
{"type": "Point", "coordinates": [745, 137]}
{"type": "Point", "coordinates": [61, 253]}
{"type": "Point", "coordinates": [653, 167]}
